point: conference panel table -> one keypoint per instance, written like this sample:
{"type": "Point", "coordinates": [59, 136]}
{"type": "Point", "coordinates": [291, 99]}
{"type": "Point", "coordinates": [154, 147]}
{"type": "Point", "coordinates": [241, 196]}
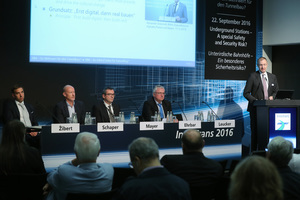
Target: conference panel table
{"type": "Point", "coordinates": [220, 143]}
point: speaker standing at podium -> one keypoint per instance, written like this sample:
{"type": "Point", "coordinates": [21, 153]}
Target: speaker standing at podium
{"type": "Point", "coordinates": [261, 85]}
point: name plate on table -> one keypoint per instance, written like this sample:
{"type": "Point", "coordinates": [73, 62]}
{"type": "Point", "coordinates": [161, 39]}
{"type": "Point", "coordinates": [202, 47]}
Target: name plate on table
{"type": "Point", "coordinates": [189, 124]}
{"type": "Point", "coordinates": [108, 127]}
{"type": "Point", "coordinates": [65, 128]}
{"type": "Point", "coordinates": [149, 126]}
{"type": "Point", "coordinates": [224, 123]}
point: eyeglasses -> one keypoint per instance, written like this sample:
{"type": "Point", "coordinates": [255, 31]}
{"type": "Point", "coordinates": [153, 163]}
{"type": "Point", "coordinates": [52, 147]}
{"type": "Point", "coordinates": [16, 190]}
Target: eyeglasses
{"type": "Point", "coordinates": [159, 93]}
{"type": "Point", "coordinates": [130, 165]}
{"type": "Point", "coordinates": [110, 94]}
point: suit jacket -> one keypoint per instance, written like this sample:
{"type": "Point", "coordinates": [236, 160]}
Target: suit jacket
{"type": "Point", "coordinates": [181, 12]}
{"type": "Point", "coordinates": [154, 184]}
{"type": "Point", "coordinates": [291, 183]}
{"type": "Point", "coordinates": [194, 168]}
{"type": "Point", "coordinates": [150, 107]}
{"type": "Point", "coordinates": [100, 111]}
{"type": "Point", "coordinates": [254, 88]}
{"type": "Point", "coordinates": [11, 112]}
{"type": "Point", "coordinates": [61, 112]}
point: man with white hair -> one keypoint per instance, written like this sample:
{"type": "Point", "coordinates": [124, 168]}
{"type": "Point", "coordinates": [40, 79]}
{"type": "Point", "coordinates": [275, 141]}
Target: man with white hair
{"type": "Point", "coordinates": [82, 174]}
{"type": "Point", "coordinates": [280, 152]}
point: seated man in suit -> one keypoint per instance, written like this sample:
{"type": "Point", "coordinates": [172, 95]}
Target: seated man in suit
{"type": "Point", "coordinates": [65, 108]}
{"type": "Point", "coordinates": [20, 110]}
{"type": "Point", "coordinates": [156, 103]}
{"type": "Point", "coordinates": [280, 152]}
{"type": "Point", "coordinates": [153, 181]}
{"type": "Point", "coordinates": [82, 174]}
{"type": "Point", "coordinates": [106, 110]}
{"type": "Point", "coordinates": [199, 171]}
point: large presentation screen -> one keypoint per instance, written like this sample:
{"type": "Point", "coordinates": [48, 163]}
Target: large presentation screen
{"type": "Point", "coordinates": [283, 122]}
{"type": "Point", "coordinates": [113, 32]}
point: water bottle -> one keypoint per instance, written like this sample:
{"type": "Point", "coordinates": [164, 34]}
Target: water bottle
{"type": "Point", "coordinates": [201, 116]}
{"type": "Point", "coordinates": [122, 118]}
{"type": "Point", "coordinates": [168, 117]}
{"type": "Point", "coordinates": [74, 118]}
{"type": "Point", "coordinates": [158, 116]}
{"type": "Point", "coordinates": [87, 119]}
{"type": "Point", "coordinates": [208, 116]}
{"type": "Point", "coordinates": [132, 118]}
{"type": "Point", "coordinates": [171, 117]}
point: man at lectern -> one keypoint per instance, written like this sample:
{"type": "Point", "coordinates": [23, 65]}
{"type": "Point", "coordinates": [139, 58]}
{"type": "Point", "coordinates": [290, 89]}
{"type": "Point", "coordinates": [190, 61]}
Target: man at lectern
{"type": "Point", "coordinates": [261, 85]}
{"type": "Point", "coordinates": [178, 10]}
{"type": "Point", "coordinates": [67, 107]}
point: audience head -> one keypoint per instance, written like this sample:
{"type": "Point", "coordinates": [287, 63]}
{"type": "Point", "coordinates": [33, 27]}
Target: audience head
{"type": "Point", "coordinates": [280, 151]}
{"type": "Point", "coordinates": [192, 141]}
{"type": "Point", "coordinates": [69, 93]}
{"type": "Point", "coordinates": [108, 95]}
{"type": "Point", "coordinates": [17, 92]}
{"type": "Point", "coordinates": [159, 93]}
{"type": "Point", "coordinates": [87, 147]}
{"type": "Point", "coordinates": [143, 153]}
{"type": "Point", "coordinates": [255, 178]}
{"type": "Point", "coordinates": [13, 133]}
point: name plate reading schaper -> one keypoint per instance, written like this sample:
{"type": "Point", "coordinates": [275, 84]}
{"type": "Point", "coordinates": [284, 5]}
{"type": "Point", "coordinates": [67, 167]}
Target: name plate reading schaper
{"type": "Point", "coordinates": [225, 123]}
{"type": "Point", "coordinates": [149, 126]}
{"type": "Point", "coordinates": [65, 128]}
{"type": "Point", "coordinates": [189, 124]}
{"type": "Point", "coordinates": [108, 127]}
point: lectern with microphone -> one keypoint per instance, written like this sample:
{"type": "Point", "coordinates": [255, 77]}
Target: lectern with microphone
{"type": "Point", "coordinates": [277, 118]}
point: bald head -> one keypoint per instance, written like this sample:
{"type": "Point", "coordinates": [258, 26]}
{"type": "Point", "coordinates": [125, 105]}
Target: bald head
{"type": "Point", "coordinates": [192, 141]}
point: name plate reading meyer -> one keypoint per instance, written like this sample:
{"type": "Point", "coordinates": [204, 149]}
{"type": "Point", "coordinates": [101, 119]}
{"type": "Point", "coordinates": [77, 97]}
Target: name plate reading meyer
{"type": "Point", "coordinates": [189, 124]}
{"type": "Point", "coordinates": [65, 128]}
{"type": "Point", "coordinates": [108, 127]}
{"type": "Point", "coordinates": [149, 126]}
{"type": "Point", "coordinates": [225, 123]}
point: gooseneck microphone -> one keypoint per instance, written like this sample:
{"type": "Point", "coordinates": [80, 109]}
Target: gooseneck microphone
{"type": "Point", "coordinates": [180, 109]}
{"type": "Point", "coordinates": [134, 104]}
{"type": "Point", "coordinates": [211, 109]}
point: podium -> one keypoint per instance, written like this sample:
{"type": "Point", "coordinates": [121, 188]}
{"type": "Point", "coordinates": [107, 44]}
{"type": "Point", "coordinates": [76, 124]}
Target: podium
{"type": "Point", "coordinates": [277, 118]}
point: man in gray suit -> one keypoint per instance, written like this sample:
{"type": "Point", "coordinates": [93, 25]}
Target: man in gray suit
{"type": "Point", "coordinates": [179, 11]}
{"type": "Point", "coordinates": [261, 85]}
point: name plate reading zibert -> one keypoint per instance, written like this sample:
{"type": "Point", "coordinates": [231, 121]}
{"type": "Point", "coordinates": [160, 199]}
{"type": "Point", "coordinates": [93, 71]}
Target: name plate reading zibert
{"type": "Point", "coordinates": [224, 123]}
{"type": "Point", "coordinates": [189, 124]}
{"type": "Point", "coordinates": [108, 127]}
{"type": "Point", "coordinates": [149, 126]}
{"type": "Point", "coordinates": [65, 128]}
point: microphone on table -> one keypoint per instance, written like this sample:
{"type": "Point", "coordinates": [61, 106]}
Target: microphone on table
{"type": "Point", "coordinates": [211, 109]}
{"type": "Point", "coordinates": [180, 109]}
{"type": "Point", "coordinates": [134, 104]}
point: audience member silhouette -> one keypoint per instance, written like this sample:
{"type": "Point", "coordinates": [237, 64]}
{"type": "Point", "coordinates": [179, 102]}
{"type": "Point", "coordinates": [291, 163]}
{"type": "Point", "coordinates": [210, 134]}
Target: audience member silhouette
{"type": "Point", "coordinates": [202, 174]}
{"type": "Point", "coordinates": [82, 174]}
{"type": "Point", "coordinates": [255, 178]}
{"type": "Point", "coordinates": [153, 181]}
{"type": "Point", "coordinates": [16, 156]}
{"type": "Point", "coordinates": [280, 152]}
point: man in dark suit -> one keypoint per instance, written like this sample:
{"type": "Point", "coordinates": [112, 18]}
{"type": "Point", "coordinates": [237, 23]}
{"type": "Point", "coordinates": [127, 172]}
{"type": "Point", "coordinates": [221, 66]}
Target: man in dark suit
{"type": "Point", "coordinates": [179, 11]}
{"type": "Point", "coordinates": [156, 103]}
{"type": "Point", "coordinates": [20, 110]}
{"type": "Point", "coordinates": [153, 181]}
{"type": "Point", "coordinates": [106, 110]}
{"type": "Point", "coordinates": [255, 90]}
{"type": "Point", "coordinates": [202, 173]}
{"type": "Point", "coordinates": [65, 108]}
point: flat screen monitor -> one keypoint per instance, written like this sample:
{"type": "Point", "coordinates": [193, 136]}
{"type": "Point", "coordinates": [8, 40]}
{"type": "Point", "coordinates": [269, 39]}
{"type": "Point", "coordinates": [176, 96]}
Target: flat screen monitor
{"type": "Point", "coordinates": [283, 122]}
{"type": "Point", "coordinates": [284, 94]}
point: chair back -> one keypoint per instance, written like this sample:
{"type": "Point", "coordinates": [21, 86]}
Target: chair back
{"type": "Point", "coordinates": [89, 196]}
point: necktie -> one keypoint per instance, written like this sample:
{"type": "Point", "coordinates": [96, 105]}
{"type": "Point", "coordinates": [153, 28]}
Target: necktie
{"type": "Point", "coordinates": [111, 115]}
{"type": "Point", "coordinates": [264, 81]}
{"type": "Point", "coordinates": [24, 115]}
{"type": "Point", "coordinates": [161, 111]}
{"type": "Point", "coordinates": [175, 6]}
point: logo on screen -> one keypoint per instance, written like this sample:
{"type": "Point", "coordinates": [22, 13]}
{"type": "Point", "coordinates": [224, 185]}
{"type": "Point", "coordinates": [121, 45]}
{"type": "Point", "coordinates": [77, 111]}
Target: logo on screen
{"type": "Point", "coordinates": [282, 121]}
